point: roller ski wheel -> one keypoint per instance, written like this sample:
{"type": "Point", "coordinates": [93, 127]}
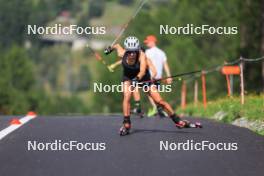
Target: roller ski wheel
{"type": "Point", "coordinates": [196, 125]}
{"type": "Point", "coordinates": [125, 129]}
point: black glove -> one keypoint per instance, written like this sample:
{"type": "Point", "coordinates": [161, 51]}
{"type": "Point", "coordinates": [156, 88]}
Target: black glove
{"type": "Point", "coordinates": [143, 48]}
{"type": "Point", "coordinates": [108, 50]}
{"type": "Point", "coordinates": [134, 81]}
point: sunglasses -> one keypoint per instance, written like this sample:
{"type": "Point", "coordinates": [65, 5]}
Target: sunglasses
{"type": "Point", "coordinates": [131, 53]}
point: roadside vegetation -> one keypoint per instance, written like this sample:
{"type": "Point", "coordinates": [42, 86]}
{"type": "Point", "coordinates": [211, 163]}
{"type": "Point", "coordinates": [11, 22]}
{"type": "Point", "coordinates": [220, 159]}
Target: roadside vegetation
{"type": "Point", "coordinates": [230, 110]}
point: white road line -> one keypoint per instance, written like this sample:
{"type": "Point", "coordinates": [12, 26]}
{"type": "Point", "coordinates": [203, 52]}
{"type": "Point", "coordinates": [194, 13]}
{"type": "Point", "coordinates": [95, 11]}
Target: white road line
{"type": "Point", "coordinates": [12, 128]}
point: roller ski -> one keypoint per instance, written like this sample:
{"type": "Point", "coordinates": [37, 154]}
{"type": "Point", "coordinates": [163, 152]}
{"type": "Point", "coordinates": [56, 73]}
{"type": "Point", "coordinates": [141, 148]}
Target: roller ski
{"type": "Point", "coordinates": [187, 124]}
{"type": "Point", "coordinates": [125, 128]}
{"type": "Point", "coordinates": [184, 123]}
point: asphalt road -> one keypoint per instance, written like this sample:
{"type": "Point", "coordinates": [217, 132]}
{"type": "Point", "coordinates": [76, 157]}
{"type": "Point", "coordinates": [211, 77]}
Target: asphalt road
{"type": "Point", "coordinates": [136, 154]}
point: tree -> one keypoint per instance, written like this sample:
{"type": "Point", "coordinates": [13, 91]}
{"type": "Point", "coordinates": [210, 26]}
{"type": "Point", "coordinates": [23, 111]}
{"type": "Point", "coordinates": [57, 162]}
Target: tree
{"type": "Point", "coordinates": [16, 81]}
{"type": "Point", "coordinates": [96, 8]}
{"type": "Point", "coordinates": [13, 16]}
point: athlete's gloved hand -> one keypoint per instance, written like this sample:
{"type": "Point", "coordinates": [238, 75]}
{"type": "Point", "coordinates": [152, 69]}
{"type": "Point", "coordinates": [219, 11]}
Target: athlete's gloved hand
{"type": "Point", "coordinates": [134, 82]}
{"type": "Point", "coordinates": [108, 50]}
{"type": "Point", "coordinates": [143, 48]}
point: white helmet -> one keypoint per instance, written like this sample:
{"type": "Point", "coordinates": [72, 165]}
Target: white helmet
{"type": "Point", "coordinates": [131, 43]}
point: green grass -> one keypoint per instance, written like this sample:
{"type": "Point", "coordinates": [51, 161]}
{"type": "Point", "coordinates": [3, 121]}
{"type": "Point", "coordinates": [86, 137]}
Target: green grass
{"type": "Point", "coordinates": [253, 109]}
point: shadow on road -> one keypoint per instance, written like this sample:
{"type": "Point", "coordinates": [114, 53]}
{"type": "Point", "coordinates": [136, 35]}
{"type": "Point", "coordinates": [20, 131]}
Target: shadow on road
{"type": "Point", "coordinates": [134, 131]}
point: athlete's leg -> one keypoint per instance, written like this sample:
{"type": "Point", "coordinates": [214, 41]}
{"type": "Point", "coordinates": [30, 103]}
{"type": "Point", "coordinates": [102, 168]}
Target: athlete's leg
{"type": "Point", "coordinates": [137, 104]}
{"type": "Point", "coordinates": [136, 94]}
{"type": "Point", "coordinates": [153, 110]}
{"type": "Point", "coordinates": [154, 94]}
{"type": "Point", "coordinates": [126, 108]}
{"type": "Point", "coordinates": [156, 108]}
{"type": "Point", "coordinates": [126, 98]}
{"type": "Point", "coordinates": [153, 104]}
{"type": "Point", "coordinates": [166, 106]}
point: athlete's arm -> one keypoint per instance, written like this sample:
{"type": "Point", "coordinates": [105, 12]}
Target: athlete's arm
{"type": "Point", "coordinates": [114, 65]}
{"type": "Point", "coordinates": [143, 65]}
{"type": "Point", "coordinates": [167, 71]}
{"type": "Point", "coordinates": [151, 68]}
{"type": "Point", "coordinates": [119, 49]}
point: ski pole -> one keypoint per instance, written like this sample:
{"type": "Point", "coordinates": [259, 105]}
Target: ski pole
{"type": "Point", "coordinates": [100, 58]}
{"type": "Point", "coordinates": [174, 76]}
{"type": "Point", "coordinates": [129, 21]}
{"type": "Point", "coordinates": [109, 49]}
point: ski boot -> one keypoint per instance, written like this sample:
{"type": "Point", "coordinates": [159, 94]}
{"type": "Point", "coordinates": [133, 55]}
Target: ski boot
{"type": "Point", "coordinates": [125, 128]}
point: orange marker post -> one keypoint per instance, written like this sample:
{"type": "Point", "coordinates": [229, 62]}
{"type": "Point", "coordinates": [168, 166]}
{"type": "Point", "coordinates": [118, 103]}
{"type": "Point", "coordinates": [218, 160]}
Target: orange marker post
{"type": "Point", "coordinates": [228, 85]}
{"type": "Point", "coordinates": [183, 95]}
{"type": "Point", "coordinates": [196, 93]}
{"type": "Point", "coordinates": [204, 89]}
{"type": "Point", "coordinates": [242, 81]}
